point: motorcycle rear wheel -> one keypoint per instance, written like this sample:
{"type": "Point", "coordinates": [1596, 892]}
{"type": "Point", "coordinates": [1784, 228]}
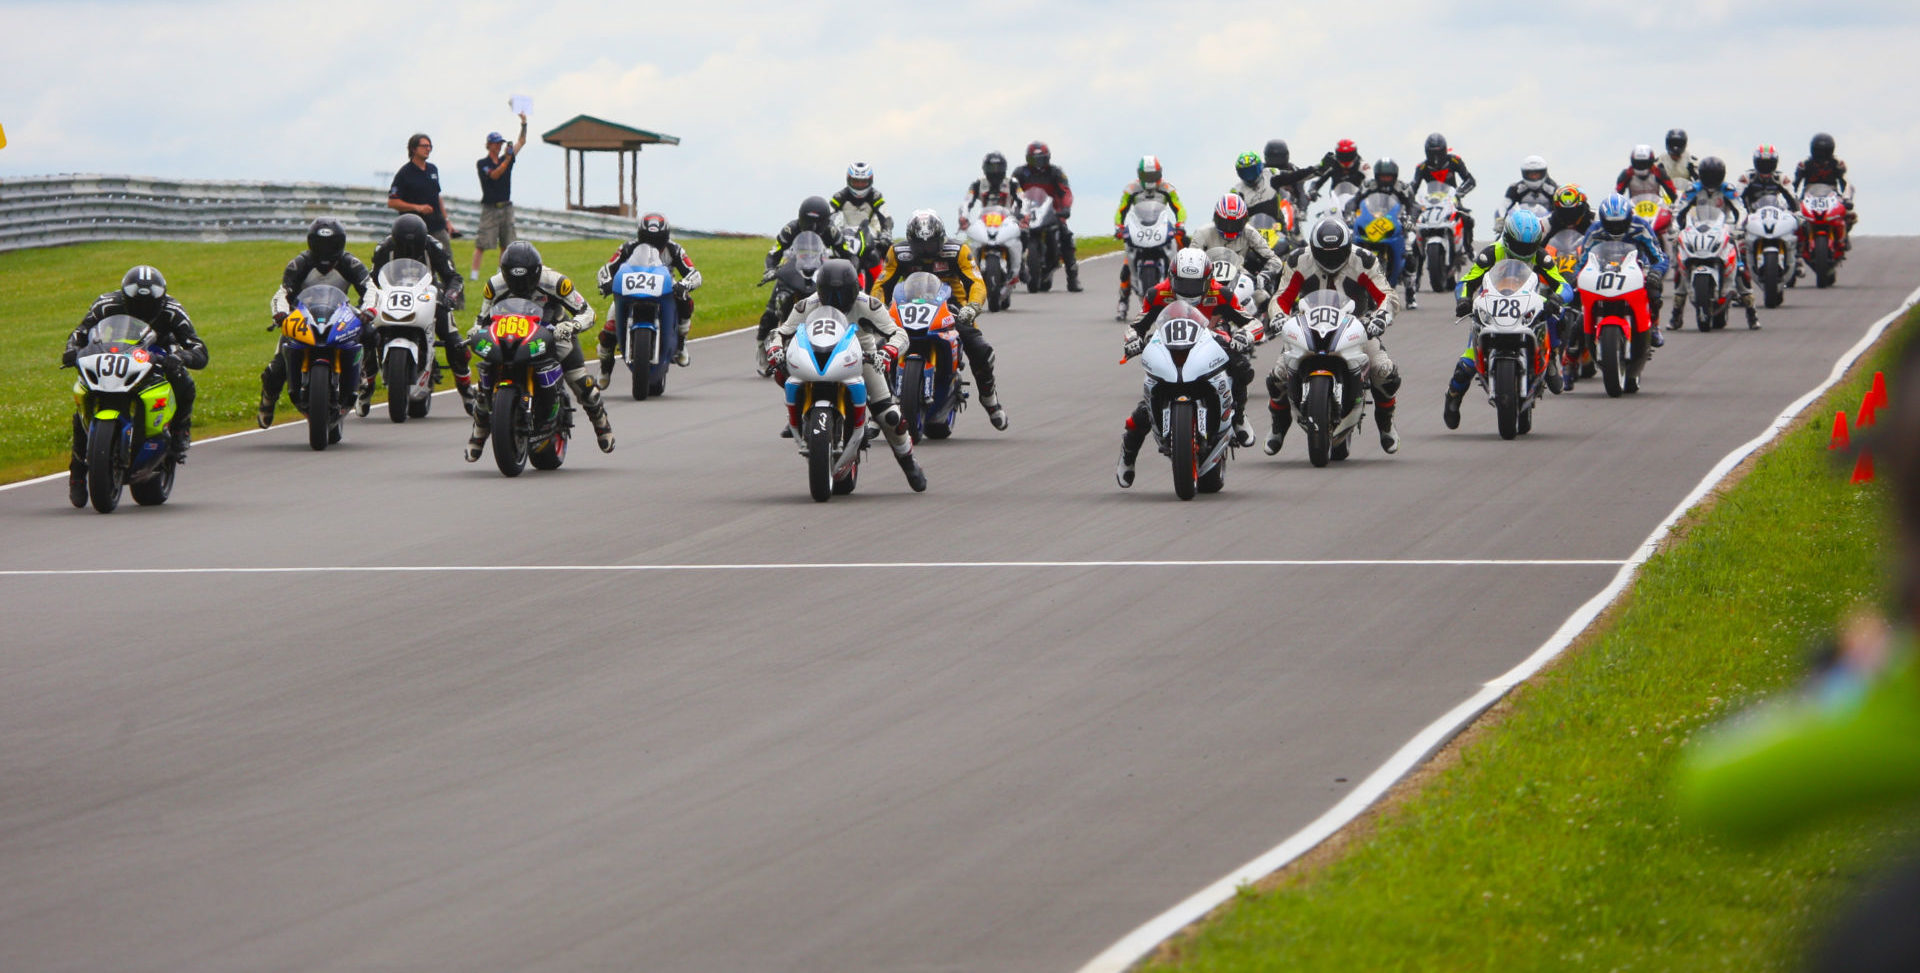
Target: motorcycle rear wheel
{"type": "Point", "coordinates": [154, 490]}
{"type": "Point", "coordinates": [819, 433]}
{"type": "Point", "coordinates": [319, 404]}
{"type": "Point", "coordinates": [1186, 450]}
{"type": "Point", "coordinates": [1319, 420]}
{"type": "Point", "coordinates": [399, 379]}
{"type": "Point", "coordinates": [1506, 396]}
{"type": "Point", "coordinates": [106, 465]}
{"type": "Point", "coordinates": [509, 431]}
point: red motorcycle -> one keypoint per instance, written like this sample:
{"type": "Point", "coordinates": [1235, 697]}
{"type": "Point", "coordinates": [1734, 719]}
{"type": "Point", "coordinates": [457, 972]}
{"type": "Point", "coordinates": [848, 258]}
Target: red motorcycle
{"type": "Point", "coordinates": [1615, 320]}
{"type": "Point", "coordinates": [1823, 231]}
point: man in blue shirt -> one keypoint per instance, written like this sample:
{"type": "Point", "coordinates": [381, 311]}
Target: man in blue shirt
{"type": "Point", "coordinates": [496, 194]}
{"type": "Point", "coordinates": [416, 189]}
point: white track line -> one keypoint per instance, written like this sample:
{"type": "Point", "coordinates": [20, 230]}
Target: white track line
{"type": "Point", "coordinates": [819, 566]}
{"type": "Point", "coordinates": [1137, 944]}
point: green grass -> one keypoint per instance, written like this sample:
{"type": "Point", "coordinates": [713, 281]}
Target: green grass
{"type": "Point", "coordinates": [225, 287]}
{"type": "Point", "coordinates": [1547, 839]}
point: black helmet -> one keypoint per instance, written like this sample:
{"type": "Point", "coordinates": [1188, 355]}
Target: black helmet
{"type": "Point", "coordinates": [1277, 155]}
{"type": "Point", "coordinates": [837, 283]}
{"type": "Point", "coordinates": [1822, 146]}
{"type": "Point", "coordinates": [1331, 244]}
{"type": "Point", "coordinates": [145, 291]}
{"type": "Point", "coordinates": [654, 229]}
{"type": "Point", "coordinates": [520, 265]}
{"type": "Point", "coordinates": [1038, 155]}
{"type": "Point", "coordinates": [994, 167]}
{"type": "Point", "coordinates": [410, 237]}
{"type": "Point", "coordinates": [326, 240]}
{"type": "Point", "coordinates": [925, 235]}
{"type": "Point", "coordinates": [1436, 149]}
{"type": "Point", "coordinates": [1676, 141]}
{"type": "Point", "coordinates": [1713, 172]}
{"type": "Point", "coordinates": [815, 214]}
{"type": "Point", "coordinates": [1387, 170]}
{"type": "Point", "coordinates": [1766, 160]}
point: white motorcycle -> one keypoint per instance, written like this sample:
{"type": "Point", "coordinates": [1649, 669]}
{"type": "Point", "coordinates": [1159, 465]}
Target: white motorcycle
{"type": "Point", "coordinates": [994, 234]}
{"type": "Point", "coordinates": [1338, 202]}
{"type": "Point", "coordinates": [1043, 237]}
{"type": "Point", "coordinates": [827, 399]}
{"type": "Point", "coordinates": [1323, 346]}
{"type": "Point", "coordinates": [1232, 276]}
{"type": "Point", "coordinates": [1190, 398]}
{"type": "Point", "coordinates": [1709, 258]}
{"type": "Point", "coordinates": [1442, 236]}
{"type": "Point", "coordinates": [1773, 251]}
{"type": "Point", "coordinates": [407, 303]}
{"type": "Point", "coordinates": [1510, 344]}
{"type": "Point", "coordinates": [1148, 232]}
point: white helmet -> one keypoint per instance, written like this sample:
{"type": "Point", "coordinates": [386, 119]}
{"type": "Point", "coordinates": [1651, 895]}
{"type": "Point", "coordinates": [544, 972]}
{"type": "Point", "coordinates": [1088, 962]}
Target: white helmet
{"type": "Point", "coordinates": [860, 180]}
{"type": "Point", "coordinates": [1533, 170]}
{"type": "Point", "coordinates": [1190, 273]}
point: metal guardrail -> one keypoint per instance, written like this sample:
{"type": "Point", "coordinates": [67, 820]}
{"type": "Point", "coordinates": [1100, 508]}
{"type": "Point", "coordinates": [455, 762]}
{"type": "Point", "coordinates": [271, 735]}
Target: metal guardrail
{"type": "Point", "coordinates": [45, 211]}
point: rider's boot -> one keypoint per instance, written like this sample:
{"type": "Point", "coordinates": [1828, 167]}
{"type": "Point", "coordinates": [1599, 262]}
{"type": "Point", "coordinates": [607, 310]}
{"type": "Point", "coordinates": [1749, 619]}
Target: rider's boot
{"type": "Point", "coordinates": [1130, 442]}
{"type": "Point", "coordinates": [1073, 279]}
{"type": "Point", "coordinates": [182, 439]}
{"type": "Point", "coordinates": [996, 413]}
{"type": "Point", "coordinates": [1753, 317]}
{"type": "Point", "coordinates": [1389, 436]}
{"type": "Point", "coordinates": [606, 370]}
{"type": "Point", "coordinates": [1463, 374]}
{"type": "Point", "coordinates": [477, 440]}
{"type": "Point", "coordinates": [77, 466]}
{"type": "Point", "coordinates": [1120, 312]}
{"type": "Point", "coordinates": [267, 401]}
{"type": "Point", "coordinates": [1242, 436]}
{"type": "Point", "coordinates": [1282, 416]}
{"type": "Point", "coordinates": [1554, 383]}
{"type": "Point", "coordinates": [682, 357]}
{"type": "Point", "coordinates": [463, 385]}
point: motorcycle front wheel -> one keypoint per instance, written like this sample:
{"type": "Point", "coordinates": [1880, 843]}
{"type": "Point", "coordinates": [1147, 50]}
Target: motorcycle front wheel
{"type": "Point", "coordinates": [1703, 301]}
{"type": "Point", "coordinates": [106, 465]}
{"type": "Point", "coordinates": [319, 403]}
{"type": "Point", "coordinates": [1612, 363]}
{"type": "Point", "coordinates": [912, 404]}
{"type": "Point", "coordinates": [1186, 450]}
{"type": "Point", "coordinates": [819, 432]}
{"type": "Point", "coordinates": [642, 364]}
{"type": "Point", "coordinates": [509, 431]}
{"type": "Point", "coordinates": [399, 383]}
{"type": "Point", "coordinates": [1319, 407]}
{"type": "Point", "coordinates": [1506, 395]}
{"type": "Point", "coordinates": [1770, 282]}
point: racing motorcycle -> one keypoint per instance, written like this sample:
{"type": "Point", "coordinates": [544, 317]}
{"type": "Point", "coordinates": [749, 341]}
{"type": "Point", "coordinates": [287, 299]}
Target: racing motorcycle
{"type": "Point", "coordinates": [792, 282]}
{"type": "Point", "coordinates": [1823, 231]}
{"type": "Point", "coordinates": [1148, 232]}
{"type": "Point", "coordinates": [928, 378]}
{"type": "Point", "coordinates": [1228, 271]}
{"type": "Point", "coordinates": [646, 318]}
{"type": "Point", "coordinates": [994, 234]}
{"type": "Point", "coordinates": [1442, 236]}
{"type": "Point", "coordinates": [1710, 258]}
{"type": "Point", "coordinates": [1323, 344]}
{"type": "Point", "coordinates": [323, 359]}
{"type": "Point", "coordinates": [1510, 347]}
{"type": "Point", "coordinates": [532, 413]}
{"type": "Point", "coordinates": [1336, 202]}
{"type": "Point", "coordinates": [1614, 315]}
{"type": "Point", "coordinates": [827, 401]}
{"type": "Point", "coordinates": [1190, 398]}
{"type": "Point", "coordinates": [1043, 240]}
{"type": "Point", "coordinates": [1379, 227]}
{"type": "Point", "coordinates": [125, 403]}
{"type": "Point", "coordinates": [1772, 251]}
{"type": "Point", "coordinates": [408, 302]}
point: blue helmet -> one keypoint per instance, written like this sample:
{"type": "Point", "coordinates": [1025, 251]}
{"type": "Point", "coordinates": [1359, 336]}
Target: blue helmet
{"type": "Point", "coordinates": [1524, 234]}
{"type": "Point", "coordinates": [1616, 215]}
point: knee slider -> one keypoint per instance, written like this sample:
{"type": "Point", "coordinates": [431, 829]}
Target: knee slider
{"type": "Point", "coordinates": [1390, 386]}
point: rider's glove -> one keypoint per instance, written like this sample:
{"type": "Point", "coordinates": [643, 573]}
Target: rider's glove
{"type": "Point", "coordinates": [963, 223]}
{"type": "Point", "coordinates": [966, 314]}
{"type": "Point", "coordinates": [1119, 233]}
{"type": "Point", "coordinates": [774, 352]}
{"type": "Point", "coordinates": [1136, 343]}
{"type": "Point", "coordinates": [767, 276]}
{"type": "Point", "coordinates": [1063, 213]}
{"type": "Point", "coordinates": [1242, 342]}
{"type": "Point", "coordinates": [69, 357]}
{"type": "Point", "coordinates": [367, 315]}
{"type": "Point", "coordinates": [1376, 324]}
{"type": "Point", "coordinates": [605, 276]}
{"type": "Point", "coordinates": [1462, 308]}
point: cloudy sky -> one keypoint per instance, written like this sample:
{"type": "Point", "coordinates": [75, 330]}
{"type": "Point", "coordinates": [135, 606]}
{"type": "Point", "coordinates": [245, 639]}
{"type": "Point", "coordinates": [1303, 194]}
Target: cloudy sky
{"type": "Point", "coordinates": [772, 100]}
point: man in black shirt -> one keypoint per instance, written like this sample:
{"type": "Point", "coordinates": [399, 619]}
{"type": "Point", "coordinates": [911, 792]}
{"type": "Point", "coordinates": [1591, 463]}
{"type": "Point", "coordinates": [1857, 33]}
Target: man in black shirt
{"type": "Point", "coordinates": [496, 194]}
{"type": "Point", "coordinates": [416, 189]}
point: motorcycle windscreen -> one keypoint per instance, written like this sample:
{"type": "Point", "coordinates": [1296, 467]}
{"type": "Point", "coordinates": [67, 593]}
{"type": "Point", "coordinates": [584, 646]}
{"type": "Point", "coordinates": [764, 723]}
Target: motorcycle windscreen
{"type": "Point", "coordinates": [1378, 217]}
{"type": "Point", "coordinates": [321, 301]}
{"type": "Point", "coordinates": [1148, 212]}
{"type": "Point", "coordinates": [1323, 315]}
{"type": "Point", "coordinates": [919, 300]}
{"type": "Point", "coordinates": [1036, 200]}
{"type": "Point", "coordinates": [1706, 214]}
{"type": "Point", "coordinates": [404, 272]}
{"type": "Point", "coordinates": [807, 252]}
{"type": "Point", "coordinates": [119, 331]}
{"type": "Point", "coordinates": [1509, 277]}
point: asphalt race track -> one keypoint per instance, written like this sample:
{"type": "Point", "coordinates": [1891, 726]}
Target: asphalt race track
{"type": "Point", "coordinates": [914, 764]}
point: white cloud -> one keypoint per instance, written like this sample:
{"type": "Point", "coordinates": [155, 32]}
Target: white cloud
{"type": "Point", "coordinates": [772, 100]}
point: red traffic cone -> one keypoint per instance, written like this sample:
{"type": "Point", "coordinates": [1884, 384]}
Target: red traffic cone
{"type": "Point", "coordinates": [1863, 468]}
{"type": "Point", "coordinates": [1840, 438]}
{"type": "Point", "coordinates": [1865, 417]}
{"type": "Point", "coordinates": [1878, 393]}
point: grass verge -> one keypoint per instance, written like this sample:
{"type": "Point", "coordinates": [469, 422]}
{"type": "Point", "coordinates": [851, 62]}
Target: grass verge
{"type": "Point", "coordinates": [1544, 837]}
{"type": "Point", "coordinates": [225, 287]}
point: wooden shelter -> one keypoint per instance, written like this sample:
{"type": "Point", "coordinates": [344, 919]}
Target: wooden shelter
{"type": "Point", "coordinates": [585, 133]}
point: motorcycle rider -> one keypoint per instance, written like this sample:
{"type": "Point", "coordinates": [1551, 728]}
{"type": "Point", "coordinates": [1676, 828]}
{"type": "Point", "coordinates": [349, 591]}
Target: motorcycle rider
{"type": "Point", "coordinates": [1150, 185]}
{"type": "Point", "coordinates": [1193, 283]}
{"type": "Point", "coordinates": [410, 241]}
{"type": "Point", "coordinates": [523, 275]}
{"type": "Point", "coordinates": [1040, 173]}
{"type": "Point", "coordinates": [1820, 166]}
{"type": "Point", "coordinates": [926, 248]}
{"type": "Point", "coordinates": [1535, 186]}
{"type": "Point", "coordinates": [1341, 167]}
{"type": "Point", "coordinates": [143, 296]}
{"type": "Point", "coordinates": [1523, 238]}
{"type": "Point", "coordinates": [1570, 211]}
{"type": "Point", "coordinates": [1229, 231]}
{"type": "Point", "coordinates": [859, 204]}
{"type": "Point", "coordinates": [1764, 179]}
{"type": "Point", "coordinates": [1641, 176]}
{"type": "Point", "coordinates": [324, 261]}
{"type": "Point", "coordinates": [1386, 179]}
{"type": "Point", "coordinates": [1330, 261]}
{"type": "Point", "coordinates": [1443, 166]}
{"type": "Point", "coordinates": [815, 216]}
{"type": "Point", "coordinates": [1286, 176]}
{"type": "Point", "coordinates": [993, 188]}
{"type": "Point", "coordinates": [1617, 222]}
{"type": "Point", "coordinates": [654, 231]}
{"type": "Point", "coordinates": [1680, 165]}
{"type": "Point", "coordinates": [1712, 191]}
{"type": "Point", "coordinates": [881, 340]}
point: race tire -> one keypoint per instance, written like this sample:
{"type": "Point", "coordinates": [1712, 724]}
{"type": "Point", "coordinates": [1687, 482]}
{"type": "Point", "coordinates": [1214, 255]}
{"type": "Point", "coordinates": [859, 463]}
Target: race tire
{"type": "Point", "coordinates": [1186, 450]}
{"type": "Point", "coordinates": [642, 364]}
{"type": "Point", "coordinates": [1612, 362]}
{"type": "Point", "coordinates": [818, 429]}
{"type": "Point", "coordinates": [154, 490]}
{"type": "Point", "coordinates": [399, 379]}
{"type": "Point", "coordinates": [1319, 409]}
{"type": "Point", "coordinates": [1703, 301]}
{"type": "Point", "coordinates": [509, 431]}
{"type": "Point", "coordinates": [912, 406]}
{"type": "Point", "coordinates": [1506, 396]}
{"type": "Point", "coordinates": [106, 462]}
{"type": "Point", "coordinates": [320, 410]}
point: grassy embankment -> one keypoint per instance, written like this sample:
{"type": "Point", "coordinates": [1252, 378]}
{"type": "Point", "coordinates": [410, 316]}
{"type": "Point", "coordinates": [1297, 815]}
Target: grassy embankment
{"type": "Point", "coordinates": [1545, 837]}
{"type": "Point", "coordinates": [225, 287]}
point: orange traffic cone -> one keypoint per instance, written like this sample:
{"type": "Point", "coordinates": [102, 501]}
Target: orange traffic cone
{"type": "Point", "coordinates": [1865, 417]}
{"type": "Point", "coordinates": [1878, 393]}
{"type": "Point", "coordinates": [1863, 468]}
{"type": "Point", "coordinates": [1840, 438]}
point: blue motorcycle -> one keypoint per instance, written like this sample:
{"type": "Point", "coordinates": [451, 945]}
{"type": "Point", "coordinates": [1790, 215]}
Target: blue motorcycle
{"type": "Point", "coordinates": [647, 319]}
{"type": "Point", "coordinates": [320, 341]}
{"type": "Point", "coordinates": [1380, 225]}
{"type": "Point", "coordinates": [927, 379]}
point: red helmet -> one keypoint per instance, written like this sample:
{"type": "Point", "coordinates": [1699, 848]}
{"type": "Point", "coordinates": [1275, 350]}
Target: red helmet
{"type": "Point", "coordinates": [1038, 155]}
{"type": "Point", "coordinates": [1230, 216]}
{"type": "Point", "coordinates": [1346, 152]}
